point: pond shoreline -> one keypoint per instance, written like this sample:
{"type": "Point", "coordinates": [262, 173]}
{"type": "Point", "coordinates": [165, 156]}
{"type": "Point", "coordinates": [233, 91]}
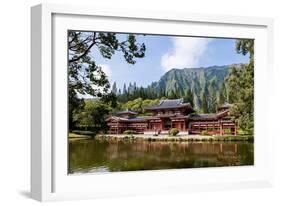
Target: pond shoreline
{"type": "Point", "coordinates": [179, 137]}
{"type": "Point", "coordinates": [163, 137]}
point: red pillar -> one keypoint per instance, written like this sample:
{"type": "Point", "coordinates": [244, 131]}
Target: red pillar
{"type": "Point", "coordinates": [220, 128]}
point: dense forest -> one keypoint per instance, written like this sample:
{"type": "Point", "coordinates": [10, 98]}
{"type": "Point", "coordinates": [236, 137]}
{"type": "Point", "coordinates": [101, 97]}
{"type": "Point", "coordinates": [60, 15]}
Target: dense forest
{"type": "Point", "coordinates": [204, 88]}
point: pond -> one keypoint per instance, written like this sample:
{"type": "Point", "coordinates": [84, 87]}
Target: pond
{"type": "Point", "coordinates": [92, 156]}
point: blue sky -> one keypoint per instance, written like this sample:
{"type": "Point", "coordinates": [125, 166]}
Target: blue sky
{"type": "Point", "coordinates": [166, 52]}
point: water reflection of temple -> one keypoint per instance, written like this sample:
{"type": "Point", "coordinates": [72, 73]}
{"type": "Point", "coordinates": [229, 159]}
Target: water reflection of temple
{"type": "Point", "coordinates": [227, 154]}
{"type": "Point", "coordinates": [173, 114]}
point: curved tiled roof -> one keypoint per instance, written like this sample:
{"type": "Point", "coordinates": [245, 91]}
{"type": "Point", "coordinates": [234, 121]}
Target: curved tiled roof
{"type": "Point", "coordinates": [209, 116]}
{"type": "Point", "coordinates": [204, 116]}
{"type": "Point", "coordinates": [169, 104]}
{"type": "Point", "coordinates": [127, 111]}
{"type": "Point", "coordinates": [133, 119]}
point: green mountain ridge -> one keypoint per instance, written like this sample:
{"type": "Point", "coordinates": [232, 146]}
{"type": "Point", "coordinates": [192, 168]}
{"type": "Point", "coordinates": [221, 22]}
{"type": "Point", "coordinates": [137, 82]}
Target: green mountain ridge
{"type": "Point", "coordinates": [195, 79]}
{"type": "Point", "coordinates": [203, 87]}
{"type": "Point", "coordinates": [202, 82]}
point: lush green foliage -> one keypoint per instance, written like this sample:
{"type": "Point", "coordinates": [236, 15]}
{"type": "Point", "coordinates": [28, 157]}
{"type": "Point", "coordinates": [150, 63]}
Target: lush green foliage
{"type": "Point", "coordinates": [222, 96]}
{"type": "Point", "coordinates": [133, 92]}
{"type": "Point", "coordinates": [205, 132]}
{"type": "Point", "coordinates": [85, 77]}
{"type": "Point", "coordinates": [240, 83]}
{"type": "Point", "coordinates": [92, 116]}
{"type": "Point", "coordinates": [173, 131]}
{"type": "Point", "coordinates": [82, 132]}
{"type": "Point", "coordinates": [139, 104]}
{"type": "Point", "coordinates": [129, 132]}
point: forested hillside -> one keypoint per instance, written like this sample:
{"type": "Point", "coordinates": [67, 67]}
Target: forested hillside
{"type": "Point", "coordinates": [204, 88]}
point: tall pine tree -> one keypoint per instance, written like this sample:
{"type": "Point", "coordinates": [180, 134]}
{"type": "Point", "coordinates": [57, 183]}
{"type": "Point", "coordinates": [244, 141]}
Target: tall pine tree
{"type": "Point", "coordinates": [212, 107]}
{"type": "Point", "coordinates": [222, 96]}
{"type": "Point", "coordinates": [114, 88]}
{"type": "Point", "coordinates": [204, 100]}
{"type": "Point", "coordinates": [188, 97]}
{"type": "Point", "coordinates": [124, 89]}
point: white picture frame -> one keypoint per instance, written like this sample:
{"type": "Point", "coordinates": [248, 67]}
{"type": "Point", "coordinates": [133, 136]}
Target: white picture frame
{"type": "Point", "coordinates": [49, 179]}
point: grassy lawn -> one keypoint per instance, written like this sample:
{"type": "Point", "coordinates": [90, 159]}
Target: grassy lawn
{"type": "Point", "coordinates": [79, 135]}
{"type": "Point", "coordinates": [234, 138]}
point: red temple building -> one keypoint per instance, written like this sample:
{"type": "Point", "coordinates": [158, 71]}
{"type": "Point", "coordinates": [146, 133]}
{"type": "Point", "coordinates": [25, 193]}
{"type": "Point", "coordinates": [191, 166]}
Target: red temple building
{"type": "Point", "coordinates": [173, 114]}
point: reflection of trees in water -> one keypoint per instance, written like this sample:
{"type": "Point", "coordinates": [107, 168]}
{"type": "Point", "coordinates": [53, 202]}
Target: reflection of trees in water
{"type": "Point", "coordinates": [228, 156]}
{"type": "Point", "coordinates": [141, 155]}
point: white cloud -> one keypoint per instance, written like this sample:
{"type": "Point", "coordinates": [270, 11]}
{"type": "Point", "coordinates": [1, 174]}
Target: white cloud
{"type": "Point", "coordinates": [185, 53]}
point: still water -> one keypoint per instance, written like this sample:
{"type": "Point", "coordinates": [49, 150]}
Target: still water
{"type": "Point", "coordinates": [91, 156]}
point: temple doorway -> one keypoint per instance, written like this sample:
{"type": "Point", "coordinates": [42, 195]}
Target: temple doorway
{"type": "Point", "coordinates": [167, 123]}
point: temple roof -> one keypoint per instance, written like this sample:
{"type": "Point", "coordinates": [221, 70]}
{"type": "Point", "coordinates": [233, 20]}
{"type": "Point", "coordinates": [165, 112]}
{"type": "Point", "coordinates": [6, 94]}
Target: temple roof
{"type": "Point", "coordinates": [209, 116]}
{"type": "Point", "coordinates": [137, 119]}
{"type": "Point", "coordinates": [122, 119]}
{"type": "Point", "coordinates": [127, 111]}
{"type": "Point", "coordinates": [204, 116]}
{"type": "Point", "coordinates": [169, 104]}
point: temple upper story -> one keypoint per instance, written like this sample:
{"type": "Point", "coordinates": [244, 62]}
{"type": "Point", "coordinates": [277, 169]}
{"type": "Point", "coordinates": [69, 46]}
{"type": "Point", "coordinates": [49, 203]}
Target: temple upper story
{"type": "Point", "coordinates": [170, 107]}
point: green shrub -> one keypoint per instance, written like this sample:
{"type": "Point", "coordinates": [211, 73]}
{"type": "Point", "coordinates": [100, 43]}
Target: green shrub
{"type": "Point", "coordinates": [227, 131]}
{"type": "Point", "coordinates": [126, 138]}
{"type": "Point", "coordinates": [251, 139]}
{"type": "Point", "coordinates": [82, 132]}
{"type": "Point", "coordinates": [129, 131]}
{"type": "Point", "coordinates": [173, 131]}
{"type": "Point", "coordinates": [204, 133]}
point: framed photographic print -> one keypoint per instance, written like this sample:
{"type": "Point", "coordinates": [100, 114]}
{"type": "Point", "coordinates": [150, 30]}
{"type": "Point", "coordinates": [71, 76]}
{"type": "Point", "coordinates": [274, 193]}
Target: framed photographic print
{"type": "Point", "coordinates": [134, 102]}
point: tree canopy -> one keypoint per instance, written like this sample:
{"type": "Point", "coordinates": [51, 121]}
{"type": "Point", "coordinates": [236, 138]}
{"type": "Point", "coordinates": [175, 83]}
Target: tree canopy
{"type": "Point", "coordinates": [92, 116]}
{"type": "Point", "coordinates": [240, 83]}
{"type": "Point", "coordinates": [85, 76]}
